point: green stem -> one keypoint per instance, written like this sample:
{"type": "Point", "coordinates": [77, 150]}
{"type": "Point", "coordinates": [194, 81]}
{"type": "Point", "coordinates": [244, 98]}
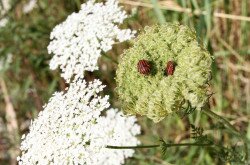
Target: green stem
{"type": "Point", "coordinates": [109, 58]}
{"type": "Point", "coordinates": [230, 127]}
{"type": "Point", "coordinates": [189, 144]}
{"type": "Point", "coordinates": [133, 147]}
{"type": "Point", "coordinates": [158, 12]}
{"type": "Point", "coordinates": [158, 145]}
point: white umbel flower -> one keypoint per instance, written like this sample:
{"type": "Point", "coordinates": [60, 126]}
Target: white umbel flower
{"type": "Point", "coordinates": [3, 22]}
{"type": "Point", "coordinates": [117, 130]}
{"type": "Point", "coordinates": [29, 6]}
{"type": "Point", "coordinates": [4, 8]}
{"type": "Point", "coordinates": [5, 62]}
{"type": "Point", "coordinates": [71, 130]}
{"type": "Point", "coordinates": [77, 43]}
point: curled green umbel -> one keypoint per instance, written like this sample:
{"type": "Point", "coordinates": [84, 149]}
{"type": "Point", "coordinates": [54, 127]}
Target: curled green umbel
{"type": "Point", "coordinates": [157, 93]}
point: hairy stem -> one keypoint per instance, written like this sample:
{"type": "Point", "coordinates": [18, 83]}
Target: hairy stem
{"type": "Point", "coordinates": [229, 126]}
{"type": "Point", "coordinates": [158, 145]}
{"type": "Point", "coordinates": [133, 147]}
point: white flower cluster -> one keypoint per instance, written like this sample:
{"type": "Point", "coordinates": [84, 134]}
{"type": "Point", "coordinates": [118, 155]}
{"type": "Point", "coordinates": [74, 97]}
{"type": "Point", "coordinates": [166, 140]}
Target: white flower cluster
{"type": "Point", "coordinates": [4, 8]}
{"type": "Point", "coordinates": [29, 6]}
{"type": "Point", "coordinates": [5, 62]}
{"type": "Point", "coordinates": [71, 130]}
{"type": "Point", "coordinates": [3, 22]}
{"type": "Point", "coordinates": [78, 42]}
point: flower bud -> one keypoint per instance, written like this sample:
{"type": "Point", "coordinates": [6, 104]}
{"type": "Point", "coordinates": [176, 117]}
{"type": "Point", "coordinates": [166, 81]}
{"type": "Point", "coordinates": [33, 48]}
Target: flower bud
{"type": "Point", "coordinates": [172, 49]}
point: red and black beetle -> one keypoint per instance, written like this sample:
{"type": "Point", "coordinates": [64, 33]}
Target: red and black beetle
{"type": "Point", "coordinates": [170, 68]}
{"type": "Point", "coordinates": [144, 67]}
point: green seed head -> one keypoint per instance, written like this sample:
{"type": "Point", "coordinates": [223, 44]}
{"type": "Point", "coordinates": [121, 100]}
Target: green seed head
{"type": "Point", "coordinates": [157, 94]}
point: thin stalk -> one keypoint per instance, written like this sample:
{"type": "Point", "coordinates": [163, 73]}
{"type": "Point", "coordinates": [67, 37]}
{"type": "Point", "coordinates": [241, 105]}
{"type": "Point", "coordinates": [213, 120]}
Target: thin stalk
{"type": "Point", "coordinates": [158, 11]}
{"type": "Point", "coordinates": [133, 147]}
{"type": "Point", "coordinates": [229, 126]}
{"type": "Point", "coordinates": [158, 145]}
{"type": "Point", "coordinates": [188, 144]}
{"type": "Point", "coordinates": [109, 58]}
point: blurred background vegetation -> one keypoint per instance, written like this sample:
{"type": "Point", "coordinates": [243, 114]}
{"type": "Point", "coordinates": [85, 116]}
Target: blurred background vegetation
{"type": "Point", "coordinates": [26, 82]}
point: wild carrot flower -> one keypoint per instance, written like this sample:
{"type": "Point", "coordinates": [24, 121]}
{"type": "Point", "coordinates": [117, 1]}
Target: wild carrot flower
{"type": "Point", "coordinates": [178, 72]}
{"type": "Point", "coordinates": [71, 130]}
{"type": "Point", "coordinates": [29, 6]}
{"type": "Point", "coordinates": [77, 43]}
{"type": "Point", "coordinates": [3, 22]}
{"type": "Point", "coordinates": [4, 8]}
{"type": "Point", "coordinates": [5, 62]}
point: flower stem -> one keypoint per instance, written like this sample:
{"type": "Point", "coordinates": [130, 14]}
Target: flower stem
{"type": "Point", "coordinates": [158, 145]}
{"type": "Point", "coordinates": [189, 144]}
{"type": "Point", "coordinates": [229, 126]}
{"type": "Point", "coordinates": [133, 147]}
{"type": "Point", "coordinates": [109, 58]}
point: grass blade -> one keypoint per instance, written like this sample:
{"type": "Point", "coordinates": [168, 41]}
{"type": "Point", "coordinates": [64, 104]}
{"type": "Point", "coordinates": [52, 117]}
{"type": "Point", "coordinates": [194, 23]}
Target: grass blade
{"type": "Point", "coordinates": [158, 12]}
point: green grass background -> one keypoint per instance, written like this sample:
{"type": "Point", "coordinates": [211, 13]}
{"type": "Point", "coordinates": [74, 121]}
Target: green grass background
{"type": "Point", "coordinates": [30, 82]}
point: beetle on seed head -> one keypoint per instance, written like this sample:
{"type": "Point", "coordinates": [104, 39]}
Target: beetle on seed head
{"type": "Point", "coordinates": [170, 68]}
{"type": "Point", "coordinates": [144, 67]}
